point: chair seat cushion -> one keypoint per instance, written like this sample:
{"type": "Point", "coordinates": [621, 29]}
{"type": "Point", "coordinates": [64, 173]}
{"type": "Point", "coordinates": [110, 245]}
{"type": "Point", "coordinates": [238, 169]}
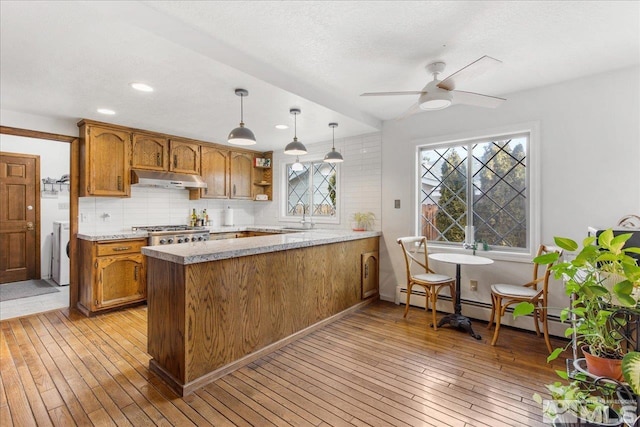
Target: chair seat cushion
{"type": "Point", "coordinates": [432, 278]}
{"type": "Point", "coordinates": [513, 290]}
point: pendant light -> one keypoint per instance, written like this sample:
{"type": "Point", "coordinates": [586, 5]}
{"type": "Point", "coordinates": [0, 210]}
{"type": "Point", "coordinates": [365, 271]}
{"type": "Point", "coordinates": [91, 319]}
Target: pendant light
{"type": "Point", "coordinates": [241, 135]}
{"type": "Point", "coordinates": [295, 147]}
{"type": "Point", "coordinates": [297, 166]}
{"type": "Point", "coordinates": [333, 156]}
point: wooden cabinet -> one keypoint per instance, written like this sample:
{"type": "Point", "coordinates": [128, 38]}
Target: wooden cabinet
{"type": "Point", "coordinates": [104, 160]}
{"type": "Point", "coordinates": [112, 274]}
{"type": "Point", "coordinates": [369, 274]}
{"type": "Point", "coordinates": [240, 175]}
{"type": "Point", "coordinates": [150, 151]}
{"type": "Point", "coordinates": [214, 168]}
{"type": "Point", "coordinates": [184, 157]}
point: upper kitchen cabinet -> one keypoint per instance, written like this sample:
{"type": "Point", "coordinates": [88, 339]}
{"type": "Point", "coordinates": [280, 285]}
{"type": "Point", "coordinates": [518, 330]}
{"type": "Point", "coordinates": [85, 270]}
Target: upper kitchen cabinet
{"type": "Point", "coordinates": [104, 160]}
{"type": "Point", "coordinates": [150, 152]}
{"type": "Point", "coordinates": [240, 175]}
{"type": "Point", "coordinates": [214, 168]}
{"type": "Point", "coordinates": [184, 157]}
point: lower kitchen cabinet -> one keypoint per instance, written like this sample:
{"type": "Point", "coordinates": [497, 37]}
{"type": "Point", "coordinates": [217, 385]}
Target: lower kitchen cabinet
{"type": "Point", "coordinates": [112, 274]}
{"type": "Point", "coordinates": [369, 274]}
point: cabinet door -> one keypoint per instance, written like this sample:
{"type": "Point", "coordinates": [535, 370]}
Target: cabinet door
{"type": "Point", "coordinates": [106, 162]}
{"type": "Point", "coordinates": [214, 168]}
{"type": "Point", "coordinates": [240, 175]}
{"type": "Point", "coordinates": [150, 152]}
{"type": "Point", "coordinates": [369, 274]}
{"type": "Point", "coordinates": [120, 280]}
{"type": "Point", "coordinates": [184, 157]}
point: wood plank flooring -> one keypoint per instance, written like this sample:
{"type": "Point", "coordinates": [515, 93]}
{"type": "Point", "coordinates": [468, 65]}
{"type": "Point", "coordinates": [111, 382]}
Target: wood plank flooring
{"type": "Point", "coordinates": [371, 368]}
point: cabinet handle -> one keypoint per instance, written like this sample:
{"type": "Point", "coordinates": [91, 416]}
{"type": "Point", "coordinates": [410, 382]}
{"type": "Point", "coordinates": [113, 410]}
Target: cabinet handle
{"type": "Point", "coordinates": [234, 189]}
{"type": "Point", "coordinates": [366, 271]}
{"type": "Point", "coordinates": [175, 160]}
{"type": "Point", "coordinates": [122, 248]}
{"type": "Point", "coordinates": [206, 191]}
{"type": "Point", "coordinates": [119, 183]}
{"type": "Point", "coordinates": [135, 273]}
{"type": "Point", "coordinates": [158, 159]}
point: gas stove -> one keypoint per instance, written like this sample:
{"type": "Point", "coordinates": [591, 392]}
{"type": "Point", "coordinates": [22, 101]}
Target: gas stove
{"type": "Point", "coordinates": [172, 234]}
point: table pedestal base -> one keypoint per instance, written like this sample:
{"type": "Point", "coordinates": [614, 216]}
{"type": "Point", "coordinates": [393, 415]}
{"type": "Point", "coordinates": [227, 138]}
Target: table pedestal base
{"type": "Point", "coordinates": [459, 321]}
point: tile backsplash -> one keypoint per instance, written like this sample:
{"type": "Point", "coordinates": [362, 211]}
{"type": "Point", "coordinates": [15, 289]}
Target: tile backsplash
{"type": "Point", "coordinates": [154, 206]}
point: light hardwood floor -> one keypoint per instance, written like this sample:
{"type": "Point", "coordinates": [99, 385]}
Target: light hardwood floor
{"type": "Point", "coordinates": [370, 368]}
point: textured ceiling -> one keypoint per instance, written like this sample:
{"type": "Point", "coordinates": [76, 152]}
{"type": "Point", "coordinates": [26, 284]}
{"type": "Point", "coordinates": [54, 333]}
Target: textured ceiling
{"type": "Point", "coordinates": [65, 59]}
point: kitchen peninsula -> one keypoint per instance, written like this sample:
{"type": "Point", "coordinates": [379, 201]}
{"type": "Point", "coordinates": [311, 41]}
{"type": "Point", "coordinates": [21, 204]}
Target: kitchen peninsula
{"type": "Point", "coordinates": [217, 305]}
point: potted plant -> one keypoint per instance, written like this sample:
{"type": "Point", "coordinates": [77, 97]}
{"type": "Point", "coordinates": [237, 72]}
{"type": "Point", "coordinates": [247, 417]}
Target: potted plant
{"type": "Point", "coordinates": [362, 221]}
{"type": "Point", "coordinates": [596, 322]}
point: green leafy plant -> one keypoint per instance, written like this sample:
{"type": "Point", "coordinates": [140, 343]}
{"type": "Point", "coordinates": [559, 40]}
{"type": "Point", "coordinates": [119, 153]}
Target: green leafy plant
{"type": "Point", "coordinates": [363, 220]}
{"type": "Point", "coordinates": [595, 320]}
{"type": "Point", "coordinates": [631, 370]}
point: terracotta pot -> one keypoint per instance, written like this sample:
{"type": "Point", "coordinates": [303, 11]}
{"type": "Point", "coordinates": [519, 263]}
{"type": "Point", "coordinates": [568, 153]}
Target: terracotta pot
{"type": "Point", "coordinates": [603, 367]}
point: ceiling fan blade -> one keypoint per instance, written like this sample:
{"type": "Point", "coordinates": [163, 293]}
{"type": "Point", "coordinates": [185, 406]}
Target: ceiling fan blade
{"type": "Point", "coordinates": [470, 72]}
{"type": "Point", "coordinates": [415, 108]}
{"type": "Point", "coordinates": [409, 92]}
{"type": "Point", "coordinates": [479, 100]}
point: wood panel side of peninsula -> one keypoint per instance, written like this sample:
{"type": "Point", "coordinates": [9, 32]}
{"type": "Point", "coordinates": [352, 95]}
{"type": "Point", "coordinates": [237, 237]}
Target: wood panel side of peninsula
{"type": "Point", "coordinates": [203, 317]}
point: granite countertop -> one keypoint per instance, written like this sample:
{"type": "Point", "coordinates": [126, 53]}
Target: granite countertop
{"type": "Point", "coordinates": [212, 250]}
{"type": "Point", "coordinates": [121, 235]}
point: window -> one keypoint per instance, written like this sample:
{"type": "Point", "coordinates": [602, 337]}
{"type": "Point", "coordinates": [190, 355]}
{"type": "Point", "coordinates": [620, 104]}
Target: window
{"type": "Point", "coordinates": [477, 190]}
{"type": "Point", "coordinates": [311, 187]}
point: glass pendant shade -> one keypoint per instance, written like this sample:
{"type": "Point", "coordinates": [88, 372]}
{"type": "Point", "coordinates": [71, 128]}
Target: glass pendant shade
{"type": "Point", "coordinates": [241, 135]}
{"type": "Point", "coordinates": [295, 147]}
{"type": "Point", "coordinates": [333, 156]}
{"type": "Point", "coordinates": [297, 166]}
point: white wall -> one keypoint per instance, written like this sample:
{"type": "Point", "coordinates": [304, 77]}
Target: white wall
{"type": "Point", "coordinates": [590, 158]}
{"type": "Point", "coordinates": [54, 162]}
{"type": "Point", "coordinates": [360, 179]}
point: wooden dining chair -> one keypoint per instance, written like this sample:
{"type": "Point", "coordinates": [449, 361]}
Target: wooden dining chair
{"type": "Point", "coordinates": [414, 250]}
{"type": "Point", "coordinates": [534, 292]}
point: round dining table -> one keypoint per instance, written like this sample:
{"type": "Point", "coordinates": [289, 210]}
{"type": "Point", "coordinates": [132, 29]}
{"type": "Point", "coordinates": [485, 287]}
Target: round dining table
{"type": "Point", "coordinates": [456, 319]}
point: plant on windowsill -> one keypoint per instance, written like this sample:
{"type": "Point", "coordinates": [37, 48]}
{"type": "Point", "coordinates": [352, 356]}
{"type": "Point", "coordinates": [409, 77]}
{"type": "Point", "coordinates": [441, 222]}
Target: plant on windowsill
{"type": "Point", "coordinates": [363, 221]}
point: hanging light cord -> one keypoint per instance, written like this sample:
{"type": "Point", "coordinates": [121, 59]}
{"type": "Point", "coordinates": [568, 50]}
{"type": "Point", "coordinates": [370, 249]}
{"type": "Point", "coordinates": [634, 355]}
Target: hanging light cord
{"type": "Point", "coordinates": [333, 138]}
{"type": "Point", "coordinates": [241, 111]}
{"type": "Point", "coordinates": [295, 126]}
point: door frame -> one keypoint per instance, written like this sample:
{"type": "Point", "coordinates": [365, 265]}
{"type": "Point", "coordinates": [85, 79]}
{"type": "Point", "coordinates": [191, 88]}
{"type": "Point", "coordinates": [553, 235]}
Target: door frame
{"type": "Point", "coordinates": [73, 198]}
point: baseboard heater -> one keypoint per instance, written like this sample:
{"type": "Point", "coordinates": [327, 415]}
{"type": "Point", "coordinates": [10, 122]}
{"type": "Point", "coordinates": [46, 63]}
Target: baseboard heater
{"type": "Point", "coordinates": [419, 292]}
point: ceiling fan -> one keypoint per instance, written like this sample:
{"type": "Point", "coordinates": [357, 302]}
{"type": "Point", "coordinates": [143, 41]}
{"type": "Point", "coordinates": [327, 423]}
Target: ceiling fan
{"type": "Point", "coordinates": [439, 94]}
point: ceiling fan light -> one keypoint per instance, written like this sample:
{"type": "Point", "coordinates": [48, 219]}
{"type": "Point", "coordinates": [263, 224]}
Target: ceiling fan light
{"type": "Point", "coordinates": [241, 136]}
{"type": "Point", "coordinates": [436, 100]}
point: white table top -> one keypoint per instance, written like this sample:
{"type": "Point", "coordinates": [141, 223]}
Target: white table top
{"type": "Point", "coordinates": [461, 259]}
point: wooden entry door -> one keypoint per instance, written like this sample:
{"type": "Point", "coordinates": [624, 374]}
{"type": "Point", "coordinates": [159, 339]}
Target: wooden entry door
{"type": "Point", "coordinates": [19, 217]}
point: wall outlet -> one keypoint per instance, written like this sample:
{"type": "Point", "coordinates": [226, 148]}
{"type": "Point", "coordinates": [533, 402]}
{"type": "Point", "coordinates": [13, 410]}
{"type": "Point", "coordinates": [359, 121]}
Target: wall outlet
{"type": "Point", "coordinates": [396, 203]}
{"type": "Point", "coordinates": [473, 285]}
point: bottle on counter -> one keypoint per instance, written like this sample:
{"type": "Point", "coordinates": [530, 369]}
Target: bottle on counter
{"type": "Point", "coordinates": [205, 217]}
{"type": "Point", "coordinates": [194, 218]}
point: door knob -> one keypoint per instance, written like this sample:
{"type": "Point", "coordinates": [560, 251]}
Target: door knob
{"type": "Point", "coordinates": [29, 226]}
{"type": "Point", "coordinates": [29, 208]}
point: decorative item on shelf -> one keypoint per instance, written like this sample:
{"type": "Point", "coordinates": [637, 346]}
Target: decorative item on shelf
{"type": "Point", "coordinates": [295, 147]}
{"type": "Point", "coordinates": [260, 162]}
{"type": "Point", "coordinates": [363, 221]}
{"type": "Point", "coordinates": [262, 197]}
{"type": "Point", "coordinates": [241, 135]}
{"type": "Point", "coordinates": [51, 187]}
{"type": "Point", "coordinates": [333, 156]}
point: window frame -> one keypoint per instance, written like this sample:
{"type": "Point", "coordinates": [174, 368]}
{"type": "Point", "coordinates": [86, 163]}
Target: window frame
{"type": "Point", "coordinates": [533, 172]}
{"type": "Point", "coordinates": [284, 215]}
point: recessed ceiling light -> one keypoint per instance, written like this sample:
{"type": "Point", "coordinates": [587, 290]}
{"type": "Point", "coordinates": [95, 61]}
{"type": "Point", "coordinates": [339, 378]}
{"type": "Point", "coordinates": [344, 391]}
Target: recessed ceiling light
{"type": "Point", "coordinates": [106, 111]}
{"type": "Point", "coordinates": [142, 87]}
{"type": "Point", "coordinates": [282, 127]}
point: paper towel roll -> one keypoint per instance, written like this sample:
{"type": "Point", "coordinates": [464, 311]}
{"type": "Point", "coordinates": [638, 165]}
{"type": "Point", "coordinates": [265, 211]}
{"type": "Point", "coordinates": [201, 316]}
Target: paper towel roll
{"type": "Point", "coordinates": [228, 216]}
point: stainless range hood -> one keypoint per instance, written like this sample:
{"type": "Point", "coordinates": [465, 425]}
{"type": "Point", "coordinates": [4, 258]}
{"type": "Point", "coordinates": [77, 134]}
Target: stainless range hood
{"type": "Point", "coordinates": [157, 179]}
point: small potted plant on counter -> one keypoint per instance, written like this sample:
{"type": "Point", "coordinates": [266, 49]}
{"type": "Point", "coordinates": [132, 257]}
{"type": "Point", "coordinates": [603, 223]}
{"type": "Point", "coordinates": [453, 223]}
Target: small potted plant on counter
{"type": "Point", "coordinates": [363, 221]}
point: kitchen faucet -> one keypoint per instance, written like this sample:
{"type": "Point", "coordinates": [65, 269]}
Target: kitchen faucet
{"type": "Point", "coordinates": [304, 220]}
